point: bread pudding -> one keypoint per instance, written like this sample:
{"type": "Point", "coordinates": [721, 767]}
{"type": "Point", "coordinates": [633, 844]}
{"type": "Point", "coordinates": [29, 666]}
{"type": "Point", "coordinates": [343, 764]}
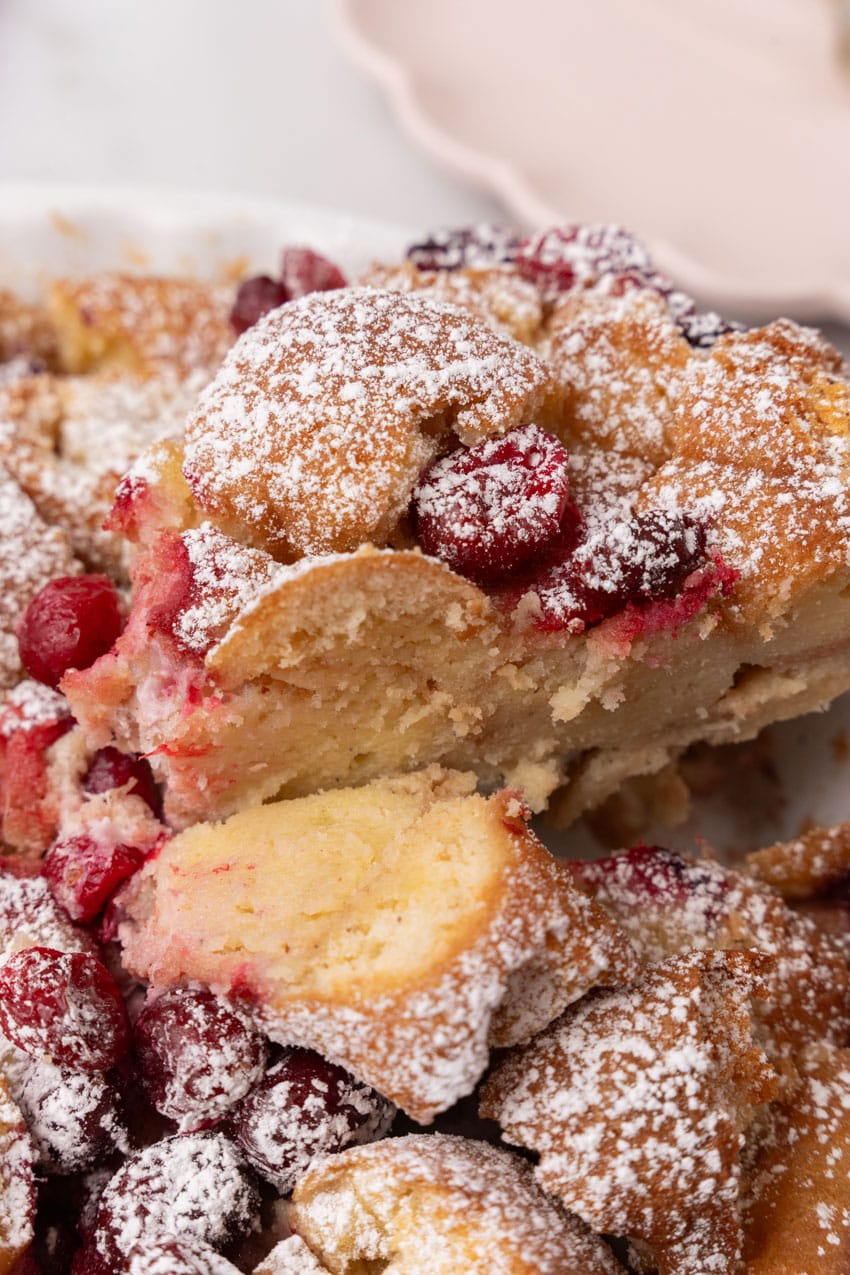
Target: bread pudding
{"type": "Point", "coordinates": [314, 591]}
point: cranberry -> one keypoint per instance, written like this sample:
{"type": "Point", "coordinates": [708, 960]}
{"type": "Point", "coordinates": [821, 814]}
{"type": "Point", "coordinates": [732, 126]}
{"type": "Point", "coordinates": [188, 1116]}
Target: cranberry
{"type": "Point", "coordinates": [665, 549]}
{"type": "Point", "coordinates": [644, 559]}
{"type": "Point", "coordinates": [69, 623]}
{"type": "Point", "coordinates": [486, 510]}
{"type": "Point", "coordinates": [699, 328]}
{"type": "Point", "coordinates": [254, 298]}
{"type": "Point", "coordinates": [195, 1186]}
{"type": "Point", "coordinates": [171, 1256]}
{"type": "Point", "coordinates": [83, 873]}
{"type": "Point", "coordinates": [656, 877]}
{"type": "Point", "coordinates": [477, 247]}
{"type": "Point", "coordinates": [89, 1261]}
{"type": "Point", "coordinates": [65, 1005]}
{"type": "Point", "coordinates": [197, 1056]}
{"type": "Point", "coordinates": [110, 768]}
{"type": "Point", "coordinates": [73, 1117]}
{"type": "Point", "coordinates": [303, 271]}
{"type": "Point", "coordinates": [580, 256]}
{"type": "Point", "coordinates": [303, 1107]}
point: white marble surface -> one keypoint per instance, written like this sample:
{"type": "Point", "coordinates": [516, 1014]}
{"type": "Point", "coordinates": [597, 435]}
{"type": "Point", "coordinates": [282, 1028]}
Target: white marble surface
{"type": "Point", "coordinates": [247, 96]}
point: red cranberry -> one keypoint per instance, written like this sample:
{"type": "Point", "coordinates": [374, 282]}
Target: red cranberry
{"type": "Point", "coordinates": [476, 247]}
{"type": "Point", "coordinates": [254, 298]}
{"type": "Point", "coordinates": [303, 271]}
{"type": "Point", "coordinates": [70, 623]}
{"type": "Point", "coordinates": [65, 1005]}
{"type": "Point", "coordinates": [73, 1117]}
{"type": "Point", "coordinates": [579, 256]}
{"type": "Point", "coordinates": [303, 1107]}
{"type": "Point", "coordinates": [486, 510]}
{"type": "Point", "coordinates": [641, 560]}
{"type": "Point", "coordinates": [699, 328]}
{"type": "Point", "coordinates": [656, 877]}
{"type": "Point", "coordinates": [83, 873]}
{"type": "Point", "coordinates": [110, 768]}
{"type": "Point", "coordinates": [175, 1257]}
{"type": "Point", "coordinates": [196, 1186]}
{"type": "Point", "coordinates": [197, 1056]}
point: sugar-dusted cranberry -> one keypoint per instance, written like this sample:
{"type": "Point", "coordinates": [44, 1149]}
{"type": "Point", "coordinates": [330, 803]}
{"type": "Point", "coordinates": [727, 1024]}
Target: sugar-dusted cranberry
{"type": "Point", "coordinates": [110, 768]}
{"type": "Point", "coordinates": [74, 1117]}
{"type": "Point", "coordinates": [579, 256]}
{"type": "Point", "coordinates": [196, 1054]}
{"type": "Point", "coordinates": [654, 877]}
{"type": "Point", "coordinates": [83, 872]}
{"type": "Point", "coordinates": [700, 328]}
{"type": "Point", "coordinates": [486, 510]}
{"type": "Point", "coordinates": [303, 271]}
{"type": "Point", "coordinates": [475, 247]}
{"type": "Point", "coordinates": [638, 560]}
{"type": "Point", "coordinates": [195, 1186]}
{"type": "Point", "coordinates": [665, 548]}
{"type": "Point", "coordinates": [254, 298]}
{"type": "Point", "coordinates": [303, 1107]}
{"type": "Point", "coordinates": [169, 1256]}
{"type": "Point", "coordinates": [64, 1005]}
{"type": "Point", "coordinates": [69, 623]}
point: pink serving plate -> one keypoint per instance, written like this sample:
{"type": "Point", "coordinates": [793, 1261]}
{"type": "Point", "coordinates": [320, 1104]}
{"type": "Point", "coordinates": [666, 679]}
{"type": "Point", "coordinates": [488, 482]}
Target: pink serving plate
{"type": "Point", "coordinates": [719, 133]}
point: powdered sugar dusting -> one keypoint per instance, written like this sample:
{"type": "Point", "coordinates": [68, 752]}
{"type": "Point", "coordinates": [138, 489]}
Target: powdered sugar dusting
{"type": "Point", "coordinates": [193, 1186]}
{"type": "Point", "coordinates": [30, 917]}
{"type": "Point", "coordinates": [423, 1042]}
{"type": "Point", "coordinates": [31, 704]}
{"type": "Point", "coordinates": [290, 1257]}
{"type": "Point", "coordinates": [474, 1206]}
{"type": "Point", "coordinates": [637, 1101]}
{"type": "Point", "coordinates": [670, 905]}
{"type": "Point", "coordinates": [17, 1186]}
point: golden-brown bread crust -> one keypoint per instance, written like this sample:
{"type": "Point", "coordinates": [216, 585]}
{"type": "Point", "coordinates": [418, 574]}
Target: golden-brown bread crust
{"type": "Point", "coordinates": [437, 1205]}
{"type": "Point", "coordinates": [318, 424]}
{"type": "Point", "coordinates": [413, 1008]}
{"type": "Point", "coordinates": [68, 439]}
{"type": "Point", "coordinates": [140, 323]}
{"type": "Point", "coordinates": [26, 331]}
{"type": "Point", "coordinates": [637, 1101]}
{"type": "Point", "coordinates": [673, 906]}
{"type": "Point", "coordinates": [797, 1195]}
{"type": "Point", "coordinates": [620, 360]}
{"type": "Point", "coordinates": [495, 295]}
{"type": "Point", "coordinates": [811, 864]}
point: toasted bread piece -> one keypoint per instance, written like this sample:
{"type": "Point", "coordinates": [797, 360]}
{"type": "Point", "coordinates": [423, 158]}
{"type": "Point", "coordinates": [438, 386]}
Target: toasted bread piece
{"type": "Point", "coordinates": [670, 905]}
{"type": "Point", "coordinates": [322, 417]}
{"type": "Point", "coordinates": [26, 332]}
{"type": "Point", "coordinates": [797, 1196]}
{"type": "Point", "coordinates": [637, 1101]}
{"type": "Point", "coordinates": [67, 440]}
{"type": "Point", "coordinates": [813, 863]}
{"type": "Point", "coordinates": [401, 929]}
{"type": "Point", "coordinates": [140, 323]}
{"type": "Point", "coordinates": [498, 296]}
{"type": "Point", "coordinates": [437, 1205]}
